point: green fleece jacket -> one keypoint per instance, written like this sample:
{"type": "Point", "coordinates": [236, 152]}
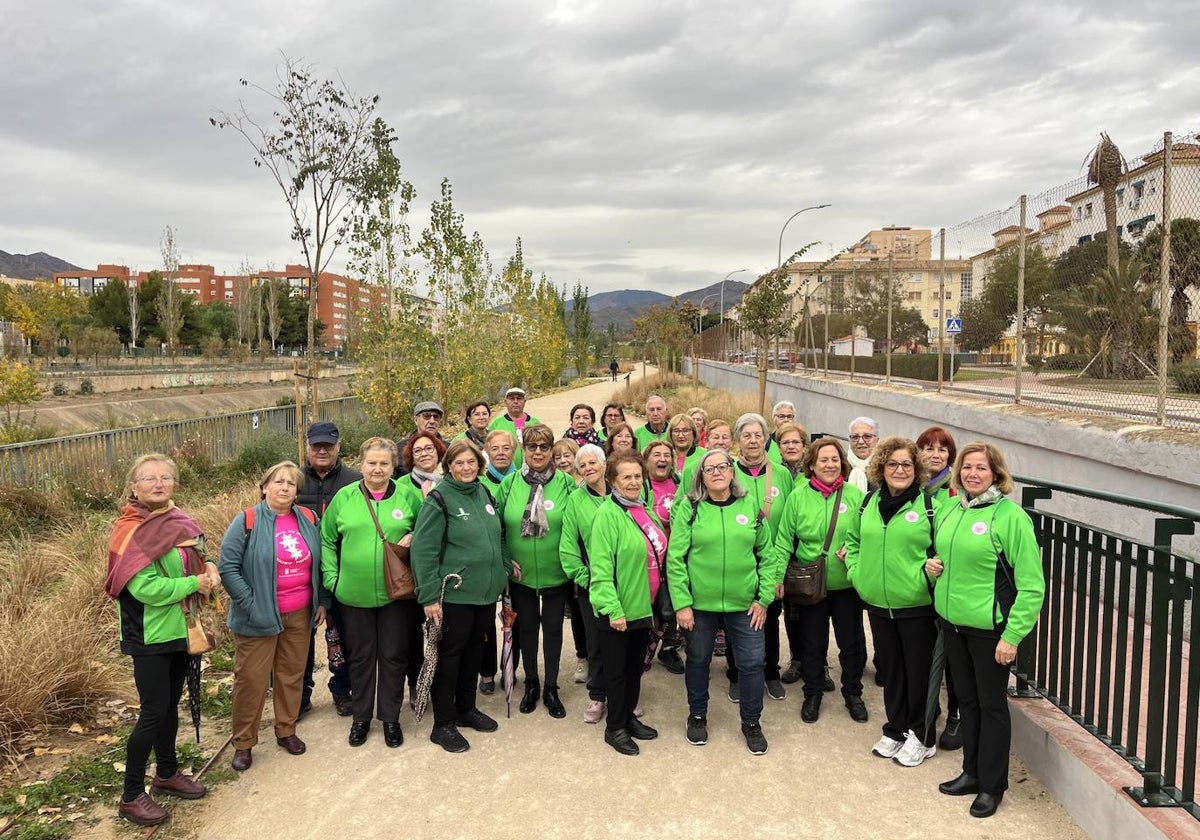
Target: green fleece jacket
{"type": "Point", "coordinates": [720, 560]}
{"type": "Point", "coordinates": [620, 583]}
{"type": "Point", "coordinates": [151, 607]}
{"type": "Point", "coordinates": [541, 566]}
{"type": "Point", "coordinates": [351, 551]}
{"type": "Point", "coordinates": [802, 531]}
{"type": "Point", "coordinates": [576, 531]}
{"type": "Point", "coordinates": [756, 488]}
{"type": "Point", "coordinates": [979, 590]}
{"type": "Point", "coordinates": [645, 436]}
{"type": "Point", "coordinates": [466, 538]}
{"type": "Point", "coordinates": [886, 562]}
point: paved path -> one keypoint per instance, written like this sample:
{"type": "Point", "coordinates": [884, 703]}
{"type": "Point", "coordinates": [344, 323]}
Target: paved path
{"type": "Point", "coordinates": [539, 777]}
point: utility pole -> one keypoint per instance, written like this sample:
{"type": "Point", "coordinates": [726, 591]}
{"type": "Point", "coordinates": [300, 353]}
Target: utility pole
{"type": "Point", "coordinates": [887, 376]}
{"type": "Point", "coordinates": [941, 306]}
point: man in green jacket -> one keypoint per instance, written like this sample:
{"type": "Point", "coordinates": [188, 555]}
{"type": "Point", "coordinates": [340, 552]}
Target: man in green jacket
{"type": "Point", "coordinates": [514, 420]}
{"type": "Point", "coordinates": [656, 423]}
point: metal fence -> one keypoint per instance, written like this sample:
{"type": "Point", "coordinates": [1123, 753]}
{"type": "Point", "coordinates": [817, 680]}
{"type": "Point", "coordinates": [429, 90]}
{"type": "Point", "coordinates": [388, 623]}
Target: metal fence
{"type": "Point", "coordinates": [42, 464]}
{"type": "Point", "coordinates": [1112, 647]}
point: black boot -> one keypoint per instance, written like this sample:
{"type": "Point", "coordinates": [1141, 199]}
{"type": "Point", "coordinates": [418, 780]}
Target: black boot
{"type": "Point", "coordinates": [530, 698]}
{"type": "Point", "coordinates": [553, 704]}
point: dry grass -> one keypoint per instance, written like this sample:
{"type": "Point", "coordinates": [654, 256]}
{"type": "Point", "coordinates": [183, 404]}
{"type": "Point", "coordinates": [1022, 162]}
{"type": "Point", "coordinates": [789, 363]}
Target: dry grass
{"type": "Point", "coordinates": [681, 394]}
{"type": "Point", "coordinates": [59, 655]}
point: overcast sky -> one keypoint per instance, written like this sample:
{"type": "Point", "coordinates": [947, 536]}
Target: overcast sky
{"type": "Point", "coordinates": [633, 144]}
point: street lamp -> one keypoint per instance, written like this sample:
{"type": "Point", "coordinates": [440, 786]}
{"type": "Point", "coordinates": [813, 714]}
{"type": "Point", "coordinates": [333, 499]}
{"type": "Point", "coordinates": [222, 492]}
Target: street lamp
{"type": "Point", "coordinates": [779, 261]}
{"type": "Point", "coordinates": [724, 343]}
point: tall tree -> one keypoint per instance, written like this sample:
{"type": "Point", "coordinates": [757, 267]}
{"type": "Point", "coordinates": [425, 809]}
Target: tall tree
{"type": "Point", "coordinates": [315, 145]}
{"type": "Point", "coordinates": [1106, 166]}
{"type": "Point", "coordinates": [18, 388]}
{"type": "Point", "coordinates": [1112, 317]}
{"type": "Point", "coordinates": [169, 305]}
{"type": "Point", "coordinates": [581, 328]}
{"type": "Point", "coordinates": [981, 326]}
{"type": "Point", "coordinates": [1184, 276]}
{"type": "Point", "coordinates": [766, 313]}
{"type": "Point", "coordinates": [245, 303]}
{"type": "Point", "coordinates": [109, 308]}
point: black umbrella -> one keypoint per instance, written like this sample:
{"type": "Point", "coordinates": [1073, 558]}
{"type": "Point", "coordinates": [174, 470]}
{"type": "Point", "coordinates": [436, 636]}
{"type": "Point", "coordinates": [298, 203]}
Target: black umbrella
{"type": "Point", "coordinates": [937, 669]}
{"type": "Point", "coordinates": [193, 691]}
{"type": "Point", "coordinates": [433, 635]}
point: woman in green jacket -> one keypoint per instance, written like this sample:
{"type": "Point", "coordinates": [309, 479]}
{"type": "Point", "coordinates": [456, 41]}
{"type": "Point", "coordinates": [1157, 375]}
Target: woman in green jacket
{"type": "Point", "coordinates": [721, 574]}
{"type": "Point", "coordinates": [628, 547]}
{"type": "Point", "coordinates": [155, 561]}
{"type": "Point", "coordinates": [801, 537]}
{"type": "Point", "coordinates": [886, 549]}
{"type": "Point", "coordinates": [572, 549]}
{"type": "Point", "coordinates": [532, 503]}
{"type": "Point", "coordinates": [458, 532]}
{"type": "Point", "coordinates": [378, 630]}
{"type": "Point", "coordinates": [989, 593]}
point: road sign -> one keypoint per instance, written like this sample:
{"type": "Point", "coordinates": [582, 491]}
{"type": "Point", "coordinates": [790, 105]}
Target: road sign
{"type": "Point", "coordinates": [953, 326]}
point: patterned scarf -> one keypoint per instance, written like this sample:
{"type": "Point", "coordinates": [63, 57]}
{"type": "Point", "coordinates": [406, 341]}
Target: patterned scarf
{"type": "Point", "coordinates": [533, 520]}
{"type": "Point", "coordinates": [584, 438]}
{"type": "Point", "coordinates": [987, 497]}
{"type": "Point", "coordinates": [140, 536]}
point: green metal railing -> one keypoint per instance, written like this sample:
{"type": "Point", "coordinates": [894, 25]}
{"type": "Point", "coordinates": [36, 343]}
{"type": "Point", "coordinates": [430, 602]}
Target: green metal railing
{"type": "Point", "coordinates": [42, 464]}
{"type": "Point", "coordinates": [1112, 647]}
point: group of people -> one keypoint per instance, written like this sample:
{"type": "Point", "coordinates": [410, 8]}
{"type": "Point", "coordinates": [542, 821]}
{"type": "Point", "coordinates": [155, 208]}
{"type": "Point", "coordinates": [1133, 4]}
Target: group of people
{"type": "Point", "coordinates": [686, 533]}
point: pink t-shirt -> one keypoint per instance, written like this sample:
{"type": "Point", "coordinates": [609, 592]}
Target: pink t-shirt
{"type": "Point", "coordinates": [293, 565]}
{"type": "Point", "coordinates": [664, 496]}
{"type": "Point", "coordinates": [656, 548]}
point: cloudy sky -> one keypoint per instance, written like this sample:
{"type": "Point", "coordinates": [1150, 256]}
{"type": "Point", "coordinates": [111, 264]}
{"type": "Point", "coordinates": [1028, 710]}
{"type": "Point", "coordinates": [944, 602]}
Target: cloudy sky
{"type": "Point", "coordinates": [629, 143]}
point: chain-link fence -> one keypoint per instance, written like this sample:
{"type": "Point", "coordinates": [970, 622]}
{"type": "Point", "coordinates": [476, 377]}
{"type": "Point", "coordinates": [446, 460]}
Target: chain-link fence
{"type": "Point", "coordinates": [1085, 296]}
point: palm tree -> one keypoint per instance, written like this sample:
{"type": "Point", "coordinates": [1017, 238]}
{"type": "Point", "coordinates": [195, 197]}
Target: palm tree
{"type": "Point", "coordinates": [1105, 169]}
{"type": "Point", "coordinates": [1185, 274]}
{"type": "Point", "coordinates": [1115, 319]}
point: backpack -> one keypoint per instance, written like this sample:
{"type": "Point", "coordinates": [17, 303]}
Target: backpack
{"type": "Point", "coordinates": [248, 513]}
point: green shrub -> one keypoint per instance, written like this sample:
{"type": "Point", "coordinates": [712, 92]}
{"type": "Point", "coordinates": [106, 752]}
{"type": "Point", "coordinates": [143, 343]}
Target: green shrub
{"type": "Point", "coordinates": [908, 365]}
{"type": "Point", "coordinates": [60, 389]}
{"type": "Point", "coordinates": [1186, 376]}
{"type": "Point", "coordinates": [1067, 361]}
{"type": "Point", "coordinates": [354, 432]}
{"type": "Point", "coordinates": [285, 400]}
{"type": "Point", "coordinates": [267, 447]}
{"type": "Point", "coordinates": [86, 387]}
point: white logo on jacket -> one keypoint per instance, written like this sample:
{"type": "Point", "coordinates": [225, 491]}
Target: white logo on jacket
{"type": "Point", "coordinates": [742, 519]}
{"type": "Point", "coordinates": [979, 529]}
{"type": "Point", "coordinates": [912, 516]}
{"type": "Point", "coordinates": [397, 513]}
{"type": "Point", "coordinates": [491, 510]}
{"type": "Point", "coordinates": [548, 504]}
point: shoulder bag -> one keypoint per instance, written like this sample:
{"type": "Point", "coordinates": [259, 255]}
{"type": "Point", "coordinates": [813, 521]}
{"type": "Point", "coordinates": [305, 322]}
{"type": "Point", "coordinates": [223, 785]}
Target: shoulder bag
{"type": "Point", "coordinates": [397, 571]}
{"type": "Point", "coordinates": [804, 583]}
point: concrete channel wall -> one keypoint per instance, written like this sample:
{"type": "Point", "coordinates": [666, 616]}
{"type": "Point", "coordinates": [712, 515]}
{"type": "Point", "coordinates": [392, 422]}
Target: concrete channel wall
{"type": "Point", "coordinates": [1116, 456]}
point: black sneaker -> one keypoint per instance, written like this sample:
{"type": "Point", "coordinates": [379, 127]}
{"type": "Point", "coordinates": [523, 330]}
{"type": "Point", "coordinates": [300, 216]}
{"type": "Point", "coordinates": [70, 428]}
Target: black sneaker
{"type": "Point", "coordinates": [697, 730]}
{"type": "Point", "coordinates": [791, 674]}
{"type": "Point", "coordinates": [735, 693]}
{"type": "Point", "coordinates": [477, 720]}
{"type": "Point", "coordinates": [342, 703]}
{"type": "Point", "coordinates": [775, 690]}
{"type": "Point", "coordinates": [305, 708]}
{"type": "Point", "coordinates": [449, 738]}
{"type": "Point", "coordinates": [828, 685]}
{"type": "Point", "coordinates": [669, 657]}
{"type": "Point", "coordinates": [756, 742]}
{"type": "Point", "coordinates": [952, 735]}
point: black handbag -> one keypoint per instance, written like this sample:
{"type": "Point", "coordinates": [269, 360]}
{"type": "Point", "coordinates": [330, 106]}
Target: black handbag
{"type": "Point", "coordinates": [804, 583]}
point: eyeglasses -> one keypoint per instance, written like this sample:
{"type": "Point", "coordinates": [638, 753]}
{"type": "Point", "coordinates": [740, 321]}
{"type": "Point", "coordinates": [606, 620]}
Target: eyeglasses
{"type": "Point", "coordinates": [425, 450]}
{"type": "Point", "coordinates": [899, 466]}
{"type": "Point", "coordinates": [716, 469]}
{"type": "Point", "coordinates": [862, 437]}
{"type": "Point", "coordinates": [429, 415]}
{"type": "Point", "coordinates": [785, 416]}
{"type": "Point", "coordinates": [683, 431]}
{"type": "Point", "coordinates": [322, 447]}
{"type": "Point", "coordinates": [162, 479]}
{"type": "Point", "coordinates": [539, 447]}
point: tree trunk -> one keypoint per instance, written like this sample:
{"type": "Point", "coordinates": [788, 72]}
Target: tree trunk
{"type": "Point", "coordinates": [762, 380]}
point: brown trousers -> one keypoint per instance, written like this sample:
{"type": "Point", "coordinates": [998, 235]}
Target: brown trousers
{"type": "Point", "coordinates": [256, 658]}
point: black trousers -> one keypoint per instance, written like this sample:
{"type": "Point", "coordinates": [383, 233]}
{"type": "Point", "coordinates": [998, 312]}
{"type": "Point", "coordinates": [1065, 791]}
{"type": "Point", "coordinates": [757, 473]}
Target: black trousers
{"type": "Point", "coordinates": [159, 678]}
{"type": "Point", "coordinates": [844, 609]}
{"type": "Point", "coordinates": [459, 652]}
{"type": "Point", "coordinates": [624, 654]}
{"type": "Point", "coordinates": [982, 687]}
{"type": "Point", "coordinates": [771, 636]}
{"type": "Point", "coordinates": [795, 635]}
{"type": "Point", "coordinates": [544, 610]}
{"type": "Point", "coordinates": [904, 646]}
{"type": "Point", "coordinates": [593, 627]}
{"type": "Point", "coordinates": [380, 640]}
{"type": "Point", "coordinates": [578, 632]}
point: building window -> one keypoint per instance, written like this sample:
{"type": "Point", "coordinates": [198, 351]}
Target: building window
{"type": "Point", "coordinates": [1139, 188]}
{"type": "Point", "coordinates": [965, 286]}
{"type": "Point", "coordinates": [1087, 210]}
{"type": "Point", "coordinates": [914, 295]}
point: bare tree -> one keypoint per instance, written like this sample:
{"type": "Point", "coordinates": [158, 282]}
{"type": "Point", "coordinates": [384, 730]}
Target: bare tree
{"type": "Point", "coordinates": [170, 299]}
{"type": "Point", "coordinates": [132, 294]}
{"type": "Point", "coordinates": [244, 302]}
{"type": "Point", "coordinates": [271, 295]}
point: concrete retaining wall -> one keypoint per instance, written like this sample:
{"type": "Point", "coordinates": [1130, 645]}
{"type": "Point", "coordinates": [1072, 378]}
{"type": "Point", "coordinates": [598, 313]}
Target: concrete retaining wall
{"type": "Point", "coordinates": [106, 382]}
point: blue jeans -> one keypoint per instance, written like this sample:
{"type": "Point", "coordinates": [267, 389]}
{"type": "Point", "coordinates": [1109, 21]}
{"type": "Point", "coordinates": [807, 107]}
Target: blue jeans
{"type": "Point", "coordinates": [750, 651]}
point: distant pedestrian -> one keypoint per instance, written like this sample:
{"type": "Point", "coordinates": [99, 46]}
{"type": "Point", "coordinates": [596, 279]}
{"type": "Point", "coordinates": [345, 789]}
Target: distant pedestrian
{"type": "Point", "coordinates": [613, 368]}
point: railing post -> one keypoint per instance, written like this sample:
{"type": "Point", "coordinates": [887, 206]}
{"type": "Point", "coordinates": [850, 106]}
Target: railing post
{"type": "Point", "coordinates": [1151, 793]}
{"type": "Point", "coordinates": [1026, 654]}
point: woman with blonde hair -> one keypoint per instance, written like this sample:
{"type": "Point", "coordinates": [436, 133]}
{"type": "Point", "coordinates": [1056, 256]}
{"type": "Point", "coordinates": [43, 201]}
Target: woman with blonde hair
{"type": "Point", "coordinates": [271, 566]}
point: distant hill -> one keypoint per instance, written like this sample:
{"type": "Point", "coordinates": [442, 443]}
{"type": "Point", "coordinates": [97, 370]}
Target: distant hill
{"type": "Point", "coordinates": [33, 266]}
{"type": "Point", "coordinates": [623, 306]}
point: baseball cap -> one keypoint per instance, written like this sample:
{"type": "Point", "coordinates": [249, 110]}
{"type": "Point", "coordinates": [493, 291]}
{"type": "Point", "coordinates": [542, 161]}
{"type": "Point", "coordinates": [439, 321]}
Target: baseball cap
{"type": "Point", "coordinates": [323, 433]}
{"type": "Point", "coordinates": [427, 405]}
{"type": "Point", "coordinates": [515, 392]}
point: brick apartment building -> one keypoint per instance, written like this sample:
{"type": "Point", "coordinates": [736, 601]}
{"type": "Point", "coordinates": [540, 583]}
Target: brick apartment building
{"type": "Point", "coordinates": [337, 296]}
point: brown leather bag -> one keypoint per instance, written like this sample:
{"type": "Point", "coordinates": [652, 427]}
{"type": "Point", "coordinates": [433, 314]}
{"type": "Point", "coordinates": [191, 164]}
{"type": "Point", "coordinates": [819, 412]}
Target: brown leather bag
{"type": "Point", "coordinates": [397, 571]}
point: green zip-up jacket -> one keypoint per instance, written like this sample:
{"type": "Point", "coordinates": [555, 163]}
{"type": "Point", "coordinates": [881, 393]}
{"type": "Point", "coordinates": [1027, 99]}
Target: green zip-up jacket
{"type": "Point", "coordinates": [688, 468]}
{"type": "Point", "coordinates": [541, 566]}
{"type": "Point", "coordinates": [576, 531]}
{"type": "Point", "coordinates": [801, 533]}
{"type": "Point", "coordinates": [756, 488]}
{"type": "Point", "coordinates": [466, 538]}
{"type": "Point", "coordinates": [886, 563]}
{"type": "Point", "coordinates": [351, 551]}
{"type": "Point", "coordinates": [644, 436]}
{"type": "Point", "coordinates": [506, 423]}
{"type": "Point", "coordinates": [721, 560]}
{"type": "Point", "coordinates": [620, 583]}
{"type": "Point", "coordinates": [979, 590]}
{"type": "Point", "coordinates": [151, 607]}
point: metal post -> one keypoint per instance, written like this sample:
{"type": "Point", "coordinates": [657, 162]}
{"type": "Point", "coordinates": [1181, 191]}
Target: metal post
{"type": "Point", "coordinates": [853, 337]}
{"type": "Point", "coordinates": [887, 361]}
{"type": "Point", "coordinates": [1164, 282]}
{"type": "Point", "coordinates": [1020, 349]}
{"type": "Point", "coordinates": [299, 410]}
{"type": "Point", "coordinates": [826, 347]}
{"type": "Point", "coordinates": [942, 297]}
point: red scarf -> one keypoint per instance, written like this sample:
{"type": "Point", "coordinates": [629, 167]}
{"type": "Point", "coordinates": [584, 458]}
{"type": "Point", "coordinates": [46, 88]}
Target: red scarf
{"type": "Point", "coordinates": [141, 536]}
{"type": "Point", "coordinates": [824, 489]}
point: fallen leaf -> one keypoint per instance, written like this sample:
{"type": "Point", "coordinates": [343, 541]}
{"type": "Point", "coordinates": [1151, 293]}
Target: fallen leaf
{"type": "Point", "coordinates": [49, 809]}
{"type": "Point", "coordinates": [40, 750]}
{"type": "Point", "coordinates": [212, 689]}
{"type": "Point", "coordinates": [22, 799]}
{"type": "Point", "coordinates": [107, 739]}
{"type": "Point", "coordinates": [77, 728]}
{"type": "Point", "coordinates": [72, 817]}
{"type": "Point", "coordinates": [119, 766]}
{"type": "Point", "coordinates": [61, 751]}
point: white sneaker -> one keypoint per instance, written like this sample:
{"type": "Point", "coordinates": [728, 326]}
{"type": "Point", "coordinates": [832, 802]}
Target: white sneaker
{"type": "Point", "coordinates": [594, 711]}
{"type": "Point", "coordinates": [887, 747]}
{"type": "Point", "coordinates": [913, 752]}
{"type": "Point", "coordinates": [581, 671]}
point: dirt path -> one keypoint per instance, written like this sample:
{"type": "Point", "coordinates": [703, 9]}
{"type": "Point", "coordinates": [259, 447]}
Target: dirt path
{"type": "Point", "coordinates": [539, 777]}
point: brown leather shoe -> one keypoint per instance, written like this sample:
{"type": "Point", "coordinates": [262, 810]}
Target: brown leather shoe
{"type": "Point", "coordinates": [143, 811]}
{"type": "Point", "coordinates": [185, 787]}
{"type": "Point", "coordinates": [241, 760]}
{"type": "Point", "coordinates": [292, 744]}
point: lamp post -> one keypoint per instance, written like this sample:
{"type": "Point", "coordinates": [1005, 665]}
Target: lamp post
{"type": "Point", "coordinates": [779, 253]}
{"type": "Point", "coordinates": [724, 343]}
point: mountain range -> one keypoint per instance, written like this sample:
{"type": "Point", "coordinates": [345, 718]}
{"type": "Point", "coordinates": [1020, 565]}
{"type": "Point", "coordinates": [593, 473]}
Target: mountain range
{"type": "Point", "coordinates": [33, 266]}
{"type": "Point", "coordinates": [622, 307]}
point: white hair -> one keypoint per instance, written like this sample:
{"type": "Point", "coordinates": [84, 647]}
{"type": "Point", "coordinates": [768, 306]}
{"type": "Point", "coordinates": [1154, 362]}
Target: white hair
{"type": "Point", "coordinates": [783, 404]}
{"type": "Point", "coordinates": [745, 420]}
{"type": "Point", "coordinates": [865, 421]}
{"type": "Point", "coordinates": [590, 449]}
